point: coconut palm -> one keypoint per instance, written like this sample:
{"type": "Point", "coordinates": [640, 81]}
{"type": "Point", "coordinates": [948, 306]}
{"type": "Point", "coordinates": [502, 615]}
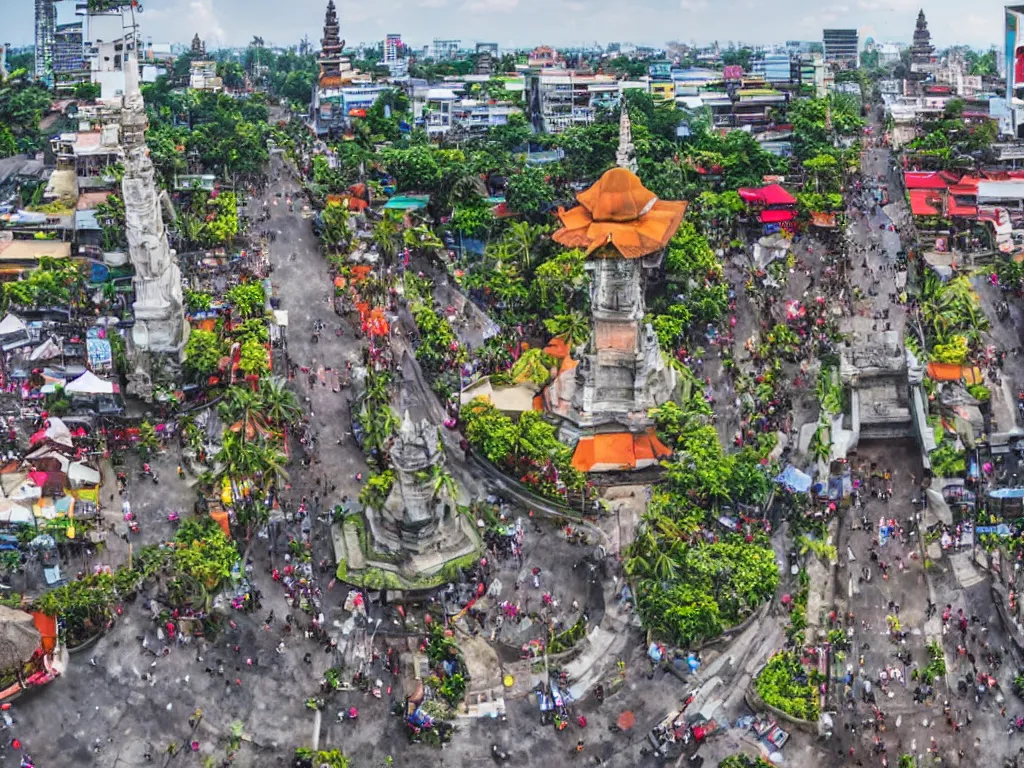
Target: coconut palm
{"type": "Point", "coordinates": [421, 238]}
{"type": "Point", "coordinates": [385, 237]}
{"type": "Point", "coordinates": [278, 402]}
{"type": "Point", "coordinates": [573, 328]}
{"type": "Point", "coordinates": [522, 237]}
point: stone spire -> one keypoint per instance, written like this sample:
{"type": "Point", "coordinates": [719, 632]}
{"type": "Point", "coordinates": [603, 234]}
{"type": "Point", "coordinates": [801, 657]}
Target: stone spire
{"type": "Point", "coordinates": [922, 49]}
{"type": "Point", "coordinates": [198, 46]}
{"type": "Point", "coordinates": [160, 329]}
{"type": "Point", "coordinates": [625, 156]}
{"type": "Point", "coordinates": [331, 43]}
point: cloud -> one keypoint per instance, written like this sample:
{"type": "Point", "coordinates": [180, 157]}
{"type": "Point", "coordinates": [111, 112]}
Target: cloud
{"type": "Point", "coordinates": [692, 6]}
{"type": "Point", "coordinates": [203, 17]}
{"type": "Point", "coordinates": [897, 6]}
{"type": "Point", "coordinates": [490, 6]}
{"type": "Point", "coordinates": [575, 7]}
{"type": "Point", "coordinates": [432, 3]}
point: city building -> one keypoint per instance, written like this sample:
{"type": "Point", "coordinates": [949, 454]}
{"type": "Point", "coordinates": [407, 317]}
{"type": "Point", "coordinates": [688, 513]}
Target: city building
{"type": "Point", "coordinates": [813, 75]}
{"type": "Point", "coordinates": [775, 68]}
{"type": "Point", "coordinates": [45, 35]}
{"type": "Point", "coordinates": [392, 48]}
{"type": "Point", "coordinates": [443, 50]}
{"type": "Point", "coordinates": [842, 48]}
{"type": "Point", "coordinates": [105, 39]}
{"type": "Point", "coordinates": [543, 57]}
{"type": "Point", "coordinates": [560, 99]}
{"type": "Point", "coordinates": [68, 63]}
{"type": "Point", "coordinates": [484, 63]}
{"type": "Point", "coordinates": [443, 110]}
{"type": "Point", "coordinates": [889, 53]}
{"type": "Point", "coordinates": [491, 48]}
{"type": "Point", "coordinates": [203, 77]}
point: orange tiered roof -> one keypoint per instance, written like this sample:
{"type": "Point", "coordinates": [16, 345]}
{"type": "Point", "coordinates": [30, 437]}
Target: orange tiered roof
{"type": "Point", "coordinates": [619, 451]}
{"type": "Point", "coordinates": [619, 211]}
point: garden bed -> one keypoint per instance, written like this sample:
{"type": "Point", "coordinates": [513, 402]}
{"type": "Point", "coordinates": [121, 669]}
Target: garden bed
{"type": "Point", "coordinates": [785, 686]}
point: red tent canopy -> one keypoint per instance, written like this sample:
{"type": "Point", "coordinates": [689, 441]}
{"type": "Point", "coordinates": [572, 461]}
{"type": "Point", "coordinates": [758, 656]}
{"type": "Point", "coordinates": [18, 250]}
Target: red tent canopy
{"type": "Point", "coordinates": [924, 202]}
{"type": "Point", "coordinates": [776, 217]}
{"type": "Point", "coordinates": [773, 194]}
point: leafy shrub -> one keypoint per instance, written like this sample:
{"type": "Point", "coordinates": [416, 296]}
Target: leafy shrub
{"type": "Point", "coordinates": [203, 352]}
{"type": "Point", "coordinates": [947, 461]}
{"type": "Point", "coordinates": [783, 683]}
{"type": "Point", "coordinates": [246, 299]}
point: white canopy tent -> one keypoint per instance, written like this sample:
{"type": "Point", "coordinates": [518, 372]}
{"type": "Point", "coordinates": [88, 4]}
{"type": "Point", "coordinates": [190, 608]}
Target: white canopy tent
{"type": "Point", "coordinates": [80, 475]}
{"type": "Point", "coordinates": [11, 325]}
{"type": "Point", "coordinates": [90, 384]}
{"type": "Point", "coordinates": [14, 513]}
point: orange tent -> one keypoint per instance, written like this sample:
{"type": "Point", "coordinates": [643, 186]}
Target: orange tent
{"type": "Point", "coordinates": [220, 517]}
{"type": "Point", "coordinates": [47, 626]}
{"type": "Point", "coordinates": [613, 451]}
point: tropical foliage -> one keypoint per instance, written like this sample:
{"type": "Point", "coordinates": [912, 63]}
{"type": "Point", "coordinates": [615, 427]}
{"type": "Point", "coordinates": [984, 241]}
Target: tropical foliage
{"type": "Point", "coordinates": [785, 684]}
{"type": "Point", "coordinates": [528, 449]}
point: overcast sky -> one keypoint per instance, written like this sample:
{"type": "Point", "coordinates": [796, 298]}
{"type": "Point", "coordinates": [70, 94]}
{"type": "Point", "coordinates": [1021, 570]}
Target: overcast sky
{"type": "Point", "coordinates": [558, 22]}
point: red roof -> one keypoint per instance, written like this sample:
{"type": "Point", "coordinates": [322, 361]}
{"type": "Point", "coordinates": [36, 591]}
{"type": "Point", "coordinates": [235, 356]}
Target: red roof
{"type": "Point", "coordinates": [966, 187]}
{"type": "Point", "coordinates": [953, 208]}
{"type": "Point", "coordinates": [925, 180]}
{"type": "Point", "coordinates": [770, 216]}
{"type": "Point", "coordinates": [773, 194]}
{"type": "Point", "coordinates": [924, 202]}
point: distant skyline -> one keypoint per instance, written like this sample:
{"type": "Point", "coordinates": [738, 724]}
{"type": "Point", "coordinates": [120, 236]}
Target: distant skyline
{"type": "Point", "coordinates": [523, 23]}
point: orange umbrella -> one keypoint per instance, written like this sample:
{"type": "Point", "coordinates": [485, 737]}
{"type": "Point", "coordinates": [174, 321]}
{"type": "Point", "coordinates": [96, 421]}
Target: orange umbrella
{"type": "Point", "coordinates": [626, 720]}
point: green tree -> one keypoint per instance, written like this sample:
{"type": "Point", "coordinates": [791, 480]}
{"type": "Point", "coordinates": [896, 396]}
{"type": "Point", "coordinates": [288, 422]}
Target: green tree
{"type": "Point", "coordinates": [337, 232]}
{"type": "Point", "coordinates": [529, 192]}
{"type": "Point", "coordinates": [203, 352]}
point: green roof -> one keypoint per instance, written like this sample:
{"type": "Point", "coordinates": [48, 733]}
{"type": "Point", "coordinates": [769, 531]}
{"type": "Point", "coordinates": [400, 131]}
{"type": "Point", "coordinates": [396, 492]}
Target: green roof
{"type": "Point", "coordinates": [407, 202]}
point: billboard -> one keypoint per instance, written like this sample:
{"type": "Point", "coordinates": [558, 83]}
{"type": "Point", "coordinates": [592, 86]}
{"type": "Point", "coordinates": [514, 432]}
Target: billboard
{"type": "Point", "coordinates": [1015, 54]}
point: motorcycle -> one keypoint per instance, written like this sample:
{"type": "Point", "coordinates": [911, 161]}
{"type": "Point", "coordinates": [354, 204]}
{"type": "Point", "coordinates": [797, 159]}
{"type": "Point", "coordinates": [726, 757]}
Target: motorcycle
{"type": "Point", "coordinates": [499, 754]}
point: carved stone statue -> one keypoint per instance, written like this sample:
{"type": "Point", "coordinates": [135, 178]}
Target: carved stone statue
{"type": "Point", "coordinates": [160, 327]}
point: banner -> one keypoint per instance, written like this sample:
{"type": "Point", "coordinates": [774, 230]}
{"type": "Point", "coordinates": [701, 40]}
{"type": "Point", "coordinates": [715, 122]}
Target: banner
{"type": "Point", "coordinates": [1015, 54]}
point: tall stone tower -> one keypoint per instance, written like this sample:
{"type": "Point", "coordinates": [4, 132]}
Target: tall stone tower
{"type": "Point", "coordinates": [331, 44]}
{"type": "Point", "coordinates": [621, 375]}
{"type": "Point", "coordinates": [160, 330]}
{"type": "Point", "coordinates": [922, 49]}
{"type": "Point", "coordinates": [198, 47]}
{"type": "Point", "coordinates": [625, 156]}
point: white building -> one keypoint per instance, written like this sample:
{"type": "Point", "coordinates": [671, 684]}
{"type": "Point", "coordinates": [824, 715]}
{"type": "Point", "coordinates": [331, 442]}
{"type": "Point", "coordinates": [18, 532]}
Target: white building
{"type": "Point", "coordinates": [441, 50]}
{"type": "Point", "coordinates": [560, 99]}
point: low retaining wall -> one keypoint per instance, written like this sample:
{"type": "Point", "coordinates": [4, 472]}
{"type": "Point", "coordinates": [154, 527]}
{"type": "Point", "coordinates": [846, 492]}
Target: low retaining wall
{"type": "Point", "coordinates": [755, 703]}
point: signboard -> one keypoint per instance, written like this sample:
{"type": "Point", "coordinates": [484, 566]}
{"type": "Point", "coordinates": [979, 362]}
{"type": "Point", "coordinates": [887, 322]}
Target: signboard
{"type": "Point", "coordinates": [732, 72]}
{"type": "Point", "coordinates": [1014, 51]}
{"type": "Point", "coordinates": [999, 530]}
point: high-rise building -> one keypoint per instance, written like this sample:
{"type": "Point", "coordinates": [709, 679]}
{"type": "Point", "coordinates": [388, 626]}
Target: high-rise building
{"type": "Point", "coordinates": [68, 60]}
{"type": "Point", "coordinates": [45, 33]}
{"type": "Point", "coordinates": [842, 47]}
{"type": "Point", "coordinates": [392, 48]}
{"type": "Point", "coordinates": [441, 50]}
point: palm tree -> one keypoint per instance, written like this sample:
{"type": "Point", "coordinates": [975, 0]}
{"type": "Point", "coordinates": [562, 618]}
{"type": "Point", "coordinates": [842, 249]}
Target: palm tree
{"type": "Point", "coordinates": [572, 328]}
{"type": "Point", "coordinates": [278, 402]}
{"type": "Point", "coordinates": [522, 237]}
{"type": "Point", "coordinates": [421, 238]}
{"type": "Point", "coordinates": [385, 237]}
